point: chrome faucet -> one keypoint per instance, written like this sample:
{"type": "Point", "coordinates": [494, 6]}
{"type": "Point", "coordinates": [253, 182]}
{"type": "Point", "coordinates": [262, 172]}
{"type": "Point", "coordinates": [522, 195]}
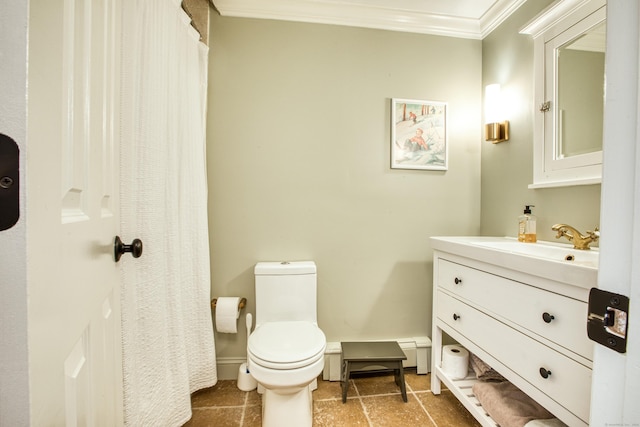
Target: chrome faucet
{"type": "Point", "coordinates": [579, 240]}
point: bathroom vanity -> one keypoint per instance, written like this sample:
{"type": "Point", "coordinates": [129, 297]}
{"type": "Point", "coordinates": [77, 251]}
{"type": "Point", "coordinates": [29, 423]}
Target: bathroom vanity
{"type": "Point", "coordinates": [522, 309]}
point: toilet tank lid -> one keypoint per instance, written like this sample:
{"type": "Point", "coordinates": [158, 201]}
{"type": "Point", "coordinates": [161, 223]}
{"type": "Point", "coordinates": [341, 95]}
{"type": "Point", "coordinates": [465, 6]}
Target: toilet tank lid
{"type": "Point", "coordinates": [284, 267]}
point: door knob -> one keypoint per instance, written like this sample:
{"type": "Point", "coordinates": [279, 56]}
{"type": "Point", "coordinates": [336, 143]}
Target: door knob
{"type": "Point", "coordinates": [120, 248]}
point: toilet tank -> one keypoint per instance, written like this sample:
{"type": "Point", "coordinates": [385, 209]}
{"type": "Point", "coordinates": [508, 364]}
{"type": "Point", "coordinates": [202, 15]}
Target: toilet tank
{"type": "Point", "coordinates": [285, 291]}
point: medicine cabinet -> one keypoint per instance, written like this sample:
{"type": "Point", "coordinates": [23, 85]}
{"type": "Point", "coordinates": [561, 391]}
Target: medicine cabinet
{"type": "Point", "coordinates": [569, 49]}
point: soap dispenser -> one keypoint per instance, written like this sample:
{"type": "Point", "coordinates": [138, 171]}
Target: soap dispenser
{"type": "Point", "coordinates": [527, 226]}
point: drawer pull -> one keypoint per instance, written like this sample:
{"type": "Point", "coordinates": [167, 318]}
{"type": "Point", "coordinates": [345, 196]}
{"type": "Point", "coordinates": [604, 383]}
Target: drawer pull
{"type": "Point", "coordinates": [457, 281]}
{"type": "Point", "coordinates": [455, 316]}
{"type": "Point", "coordinates": [547, 317]}
{"type": "Point", "coordinates": [544, 373]}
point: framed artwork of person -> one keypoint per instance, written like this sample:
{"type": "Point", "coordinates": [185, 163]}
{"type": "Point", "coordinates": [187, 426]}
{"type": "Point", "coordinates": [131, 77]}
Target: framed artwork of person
{"type": "Point", "coordinates": [418, 134]}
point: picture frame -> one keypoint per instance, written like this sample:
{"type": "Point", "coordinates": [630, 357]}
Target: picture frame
{"type": "Point", "coordinates": [419, 134]}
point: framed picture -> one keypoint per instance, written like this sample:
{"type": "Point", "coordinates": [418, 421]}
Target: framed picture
{"type": "Point", "coordinates": [418, 134]}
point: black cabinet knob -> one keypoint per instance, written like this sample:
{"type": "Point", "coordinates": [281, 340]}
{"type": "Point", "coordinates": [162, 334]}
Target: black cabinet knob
{"type": "Point", "coordinates": [457, 281]}
{"type": "Point", "coordinates": [120, 248]}
{"type": "Point", "coordinates": [455, 316]}
{"type": "Point", "coordinates": [544, 373]}
{"type": "Point", "coordinates": [547, 317]}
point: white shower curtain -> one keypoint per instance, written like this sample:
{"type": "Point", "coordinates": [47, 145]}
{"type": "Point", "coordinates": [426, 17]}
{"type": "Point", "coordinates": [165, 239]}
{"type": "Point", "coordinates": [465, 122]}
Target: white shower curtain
{"type": "Point", "coordinates": [168, 348]}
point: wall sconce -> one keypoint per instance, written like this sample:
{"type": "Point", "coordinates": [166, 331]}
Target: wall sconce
{"type": "Point", "coordinates": [496, 129]}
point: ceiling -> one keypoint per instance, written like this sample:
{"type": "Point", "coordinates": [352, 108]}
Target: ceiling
{"type": "Point", "coordinates": [472, 19]}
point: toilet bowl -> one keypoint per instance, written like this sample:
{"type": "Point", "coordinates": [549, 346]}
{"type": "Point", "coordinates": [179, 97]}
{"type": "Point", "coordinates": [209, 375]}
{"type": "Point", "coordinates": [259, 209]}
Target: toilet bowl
{"type": "Point", "coordinates": [286, 358]}
{"type": "Point", "coordinates": [286, 350]}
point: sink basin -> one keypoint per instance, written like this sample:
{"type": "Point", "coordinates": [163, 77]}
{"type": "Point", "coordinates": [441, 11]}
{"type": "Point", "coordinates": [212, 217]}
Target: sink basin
{"type": "Point", "coordinates": [547, 250]}
{"type": "Point", "coordinates": [551, 260]}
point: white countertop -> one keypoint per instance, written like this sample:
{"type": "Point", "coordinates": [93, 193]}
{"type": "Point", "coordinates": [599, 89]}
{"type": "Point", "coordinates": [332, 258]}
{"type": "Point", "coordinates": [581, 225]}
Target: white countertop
{"type": "Point", "coordinates": [550, 260]}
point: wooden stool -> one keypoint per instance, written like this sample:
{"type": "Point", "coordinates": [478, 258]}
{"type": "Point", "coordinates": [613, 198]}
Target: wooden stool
{"type": "Point", "coordinates": [359, 355]}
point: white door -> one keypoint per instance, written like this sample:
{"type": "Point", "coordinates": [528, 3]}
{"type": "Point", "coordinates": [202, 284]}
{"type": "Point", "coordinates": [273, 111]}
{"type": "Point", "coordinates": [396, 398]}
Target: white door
{"type": "Point", "coordinates": [615, 390]}
{"type": "Point", "coordinates": [72, 213]}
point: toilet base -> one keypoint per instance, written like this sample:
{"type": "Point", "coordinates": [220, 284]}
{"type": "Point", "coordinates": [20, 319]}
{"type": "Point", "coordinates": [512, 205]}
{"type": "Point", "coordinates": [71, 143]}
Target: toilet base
{"type": "Point", "coordinates": [285, 407]}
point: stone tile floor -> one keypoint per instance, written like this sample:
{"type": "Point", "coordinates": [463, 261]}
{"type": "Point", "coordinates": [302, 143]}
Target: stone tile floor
{"type": "Point", "coordinates": [373, 400]}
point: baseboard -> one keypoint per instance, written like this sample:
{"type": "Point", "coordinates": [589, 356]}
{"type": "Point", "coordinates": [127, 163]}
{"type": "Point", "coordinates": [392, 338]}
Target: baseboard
{"type": "Point", "coordinates": [228, 367]}
{"type": "Point", "coordinates": [417, 350]}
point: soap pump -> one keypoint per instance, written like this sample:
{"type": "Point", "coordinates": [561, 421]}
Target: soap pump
{"type": "Point", "coordinates": [527, 226]}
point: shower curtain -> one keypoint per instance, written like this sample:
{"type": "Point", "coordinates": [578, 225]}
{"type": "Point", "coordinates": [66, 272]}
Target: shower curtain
{"type": "Point", "coordinates": [167, 332]}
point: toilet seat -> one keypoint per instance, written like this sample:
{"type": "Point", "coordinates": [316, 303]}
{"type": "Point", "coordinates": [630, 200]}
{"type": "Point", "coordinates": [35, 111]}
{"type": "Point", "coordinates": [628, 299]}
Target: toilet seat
{"type": "Point", "coordinates": [287, 345]}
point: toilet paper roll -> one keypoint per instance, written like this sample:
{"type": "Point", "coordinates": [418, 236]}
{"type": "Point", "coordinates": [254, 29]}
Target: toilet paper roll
{"type": "Point", "coordinates": [455, 361]}
{"type": "Point", "coordinates": [246, 382]}
{"type": "Point", "coordinates": [227, 314]}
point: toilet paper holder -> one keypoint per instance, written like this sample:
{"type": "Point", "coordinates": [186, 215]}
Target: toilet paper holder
{"type": "Point", "coordinates": [242, 304]}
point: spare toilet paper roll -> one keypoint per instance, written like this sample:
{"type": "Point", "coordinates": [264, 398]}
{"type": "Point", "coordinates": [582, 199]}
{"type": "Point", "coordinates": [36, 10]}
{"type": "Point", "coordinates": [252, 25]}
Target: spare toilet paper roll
{"type": "Point", "coordinates": [227, 314]}
{"type": "Point", "coordinates": [455, 361]}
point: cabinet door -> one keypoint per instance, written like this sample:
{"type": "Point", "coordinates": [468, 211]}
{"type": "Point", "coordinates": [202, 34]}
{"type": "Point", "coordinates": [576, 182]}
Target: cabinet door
{"type": "Point", "coordinates": [553, 166]}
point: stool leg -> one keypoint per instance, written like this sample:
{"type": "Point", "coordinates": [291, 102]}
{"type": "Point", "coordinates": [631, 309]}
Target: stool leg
{"type": "Point", "coordinates": [400, 377]}
{"type": "Point", "coordinates": [346, 372]}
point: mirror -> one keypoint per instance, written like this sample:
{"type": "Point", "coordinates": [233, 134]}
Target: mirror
{"type": "Point", "coordinates": [580, 97]}
{"type": "Point", "coordinates": [569, 51]}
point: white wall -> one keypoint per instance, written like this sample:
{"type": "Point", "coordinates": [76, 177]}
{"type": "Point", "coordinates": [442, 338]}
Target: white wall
{"type": "Point", "coordinates": [298, 159]}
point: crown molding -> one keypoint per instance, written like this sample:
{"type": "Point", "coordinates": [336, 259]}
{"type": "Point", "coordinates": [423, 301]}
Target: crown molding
{"type": "Point", "coordinates": [370, 16]}
{"type": "Point", "coordinates": [497, 14]}
{"type": "Point", "coordinates": [555, 13]}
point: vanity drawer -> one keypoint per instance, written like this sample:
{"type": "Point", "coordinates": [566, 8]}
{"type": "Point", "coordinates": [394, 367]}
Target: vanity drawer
{"type": "Point", "coordinates": [569, 382]}
{"type": "Point", "coordinates": [565, 321]}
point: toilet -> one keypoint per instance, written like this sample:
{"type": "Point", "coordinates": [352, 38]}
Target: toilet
{"type": "Point", "coordinates": [286, 349]}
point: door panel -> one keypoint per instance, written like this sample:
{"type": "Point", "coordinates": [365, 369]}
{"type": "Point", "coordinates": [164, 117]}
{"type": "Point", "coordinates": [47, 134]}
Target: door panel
{"type": "Point", "coordinates": [72, 169]}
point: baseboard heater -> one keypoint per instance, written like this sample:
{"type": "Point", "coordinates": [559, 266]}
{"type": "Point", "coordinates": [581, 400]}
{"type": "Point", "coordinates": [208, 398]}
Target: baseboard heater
{"type": "Point", "coordinates": [417, 349]}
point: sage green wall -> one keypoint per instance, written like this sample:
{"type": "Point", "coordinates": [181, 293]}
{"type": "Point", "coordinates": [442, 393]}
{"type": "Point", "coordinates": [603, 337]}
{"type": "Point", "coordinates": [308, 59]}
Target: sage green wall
{"type": "Point", "coordinates": [507, 168]}
{"type": "Point", "coordinates": [298, 158]}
